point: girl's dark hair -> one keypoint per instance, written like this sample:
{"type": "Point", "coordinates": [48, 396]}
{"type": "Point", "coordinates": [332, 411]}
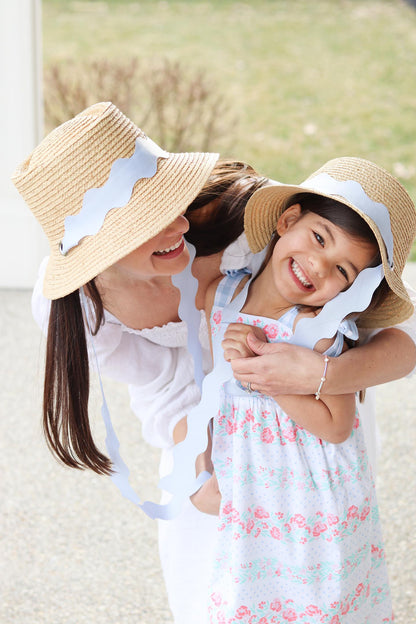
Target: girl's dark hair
{"type": "Point", "coordinates": [345, 218]}
{"type": "Point", "coordinates": [216, 215]}
{"type": "Point", "coordinates": [66, 390]}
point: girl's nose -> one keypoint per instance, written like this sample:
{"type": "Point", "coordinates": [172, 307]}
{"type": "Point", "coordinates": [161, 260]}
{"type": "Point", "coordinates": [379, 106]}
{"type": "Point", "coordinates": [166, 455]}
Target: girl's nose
{"type": "Point", "coordinates": [319, 265]}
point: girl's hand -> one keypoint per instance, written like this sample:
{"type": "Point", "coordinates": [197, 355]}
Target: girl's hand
{"type": "Point", "coordinates": [235, 340]}
{"type": "Point", "coordinates": [208, 498]}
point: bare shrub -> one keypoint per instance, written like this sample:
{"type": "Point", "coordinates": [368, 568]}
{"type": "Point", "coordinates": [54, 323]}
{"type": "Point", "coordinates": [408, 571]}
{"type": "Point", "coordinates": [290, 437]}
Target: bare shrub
{"type": "Point", "coordinates": [177, 108]}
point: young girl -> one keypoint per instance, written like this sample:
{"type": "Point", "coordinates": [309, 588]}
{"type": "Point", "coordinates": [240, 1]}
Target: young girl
{"type": "Point", "coordinates": [299, 537]}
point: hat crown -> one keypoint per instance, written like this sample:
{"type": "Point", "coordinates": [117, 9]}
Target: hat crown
{"type": "Point", "coordinates": [76, 156]}
{"type": "Point", "coordinates": [381, 187]}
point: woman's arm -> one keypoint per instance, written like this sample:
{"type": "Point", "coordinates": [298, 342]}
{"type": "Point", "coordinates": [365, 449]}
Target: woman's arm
{"type": "Point", "coordinates": [281, 368]}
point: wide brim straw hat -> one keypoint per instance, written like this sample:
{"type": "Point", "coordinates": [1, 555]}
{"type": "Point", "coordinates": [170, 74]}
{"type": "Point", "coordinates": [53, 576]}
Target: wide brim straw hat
{"type": "Point", "coordinates": [267, 204]}
{"type": "Point", "coordinates": [78, 156]}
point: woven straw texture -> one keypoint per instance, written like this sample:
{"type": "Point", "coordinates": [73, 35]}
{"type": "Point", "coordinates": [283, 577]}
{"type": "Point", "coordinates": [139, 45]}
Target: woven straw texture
{"type": "Point", "coordinates": [77, 156]}
{"type": "Point", "coordinates": [266, 205]}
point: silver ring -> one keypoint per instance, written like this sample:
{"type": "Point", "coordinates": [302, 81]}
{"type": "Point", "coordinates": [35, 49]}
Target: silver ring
{"type": "Point", "coordinates": [249, 388]}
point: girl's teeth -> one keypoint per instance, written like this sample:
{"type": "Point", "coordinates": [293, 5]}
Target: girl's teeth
{"type": "Point", "coordinates": [165, 251]}
{"type": "Point", "coordinates": [299, 274]}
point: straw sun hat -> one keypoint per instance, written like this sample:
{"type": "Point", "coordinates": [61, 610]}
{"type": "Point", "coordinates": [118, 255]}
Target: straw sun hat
{"type": "Point", "coordinates": [374, 185]}
{"type": "Point", "coordinates": [78, 156]}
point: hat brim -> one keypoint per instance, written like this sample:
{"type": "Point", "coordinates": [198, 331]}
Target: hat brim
{"type": "Point", "coordinates": [261, 215]}
{"type": "Point", "coordinates": [151, 208]}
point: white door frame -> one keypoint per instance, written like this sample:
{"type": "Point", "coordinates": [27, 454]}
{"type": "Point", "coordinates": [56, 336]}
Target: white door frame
{"type": "Point", "coordinates": [23, 243]}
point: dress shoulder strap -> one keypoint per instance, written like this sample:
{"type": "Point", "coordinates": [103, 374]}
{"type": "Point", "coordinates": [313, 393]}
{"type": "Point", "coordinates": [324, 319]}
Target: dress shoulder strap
{"type": "Point", "coordinates": [226, 287]}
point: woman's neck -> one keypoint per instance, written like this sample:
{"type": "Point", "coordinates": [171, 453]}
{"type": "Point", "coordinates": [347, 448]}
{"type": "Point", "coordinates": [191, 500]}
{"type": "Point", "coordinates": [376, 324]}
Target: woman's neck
{"type": "Point", "coordinates": [140, 304]}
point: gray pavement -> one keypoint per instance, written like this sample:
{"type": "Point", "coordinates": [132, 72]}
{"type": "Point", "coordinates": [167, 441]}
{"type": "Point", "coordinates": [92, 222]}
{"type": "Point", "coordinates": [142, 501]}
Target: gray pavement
{"type": "Point", "coordinates": [74, 551]}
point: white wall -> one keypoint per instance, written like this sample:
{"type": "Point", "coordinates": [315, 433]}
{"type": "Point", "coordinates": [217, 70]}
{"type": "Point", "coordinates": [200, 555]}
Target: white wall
{"type": "Point", "coordinates": [22, 243]}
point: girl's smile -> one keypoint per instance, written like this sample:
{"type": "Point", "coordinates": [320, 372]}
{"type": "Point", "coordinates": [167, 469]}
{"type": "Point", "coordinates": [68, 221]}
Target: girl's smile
{"type": "Point", "coordinates": [300, 276]}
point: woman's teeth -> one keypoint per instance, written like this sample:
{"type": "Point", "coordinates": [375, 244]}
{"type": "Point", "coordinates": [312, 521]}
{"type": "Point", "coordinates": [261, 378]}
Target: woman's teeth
{"type": "Point", "coordinates": [165, 251]}
{"type": "Point", "coordinates": [300, 275]}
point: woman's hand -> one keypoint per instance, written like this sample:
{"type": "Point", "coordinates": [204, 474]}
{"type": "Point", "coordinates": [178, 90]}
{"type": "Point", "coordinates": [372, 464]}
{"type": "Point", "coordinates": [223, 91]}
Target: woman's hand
{"type": "Point", "coordinates": [235, 340]}
{"type": "Point", "coordinates": [278, 368]}
{"type": "Point", "coordinates": [281, 368]}
{"type": "Point", "coordinates": [208, 498]}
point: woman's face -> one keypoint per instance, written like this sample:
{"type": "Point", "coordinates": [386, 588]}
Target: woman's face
{"type": "Point", "coordinates": [314, 260]}
{"type": "Point", "coordinates": [163, 255]}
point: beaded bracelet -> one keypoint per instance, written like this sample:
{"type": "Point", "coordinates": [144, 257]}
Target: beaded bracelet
{"type": "Point", "coordinates": [323, 378]}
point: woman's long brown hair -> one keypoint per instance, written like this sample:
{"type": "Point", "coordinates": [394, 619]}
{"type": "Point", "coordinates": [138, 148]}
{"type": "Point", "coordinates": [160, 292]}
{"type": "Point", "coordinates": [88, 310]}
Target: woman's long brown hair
{"type": "Point", "coordinates": [66, 390]}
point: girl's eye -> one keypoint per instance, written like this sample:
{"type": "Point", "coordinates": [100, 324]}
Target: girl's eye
{"type": "Point", "coordinates": [319, 238]}
{"type": "Point", "coordinates": [343, 272]}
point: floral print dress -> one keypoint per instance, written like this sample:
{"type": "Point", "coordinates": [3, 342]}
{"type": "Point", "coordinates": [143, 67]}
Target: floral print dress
{"type": "Point", "coordinates": [299, 535]}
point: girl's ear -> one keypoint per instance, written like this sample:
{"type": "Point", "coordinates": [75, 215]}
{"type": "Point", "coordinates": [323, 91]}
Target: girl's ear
{"type": "Point", "coordinates": [288, 218]}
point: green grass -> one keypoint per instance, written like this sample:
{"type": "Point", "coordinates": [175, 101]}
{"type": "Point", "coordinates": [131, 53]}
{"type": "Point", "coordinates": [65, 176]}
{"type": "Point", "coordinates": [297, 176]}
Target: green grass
{"type": "Point", "coordinates": [307, 79]}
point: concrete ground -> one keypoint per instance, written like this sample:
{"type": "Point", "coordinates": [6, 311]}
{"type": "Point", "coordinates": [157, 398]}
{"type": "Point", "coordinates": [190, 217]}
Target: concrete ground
{"type": "Point", "coordinates": [74, 551]}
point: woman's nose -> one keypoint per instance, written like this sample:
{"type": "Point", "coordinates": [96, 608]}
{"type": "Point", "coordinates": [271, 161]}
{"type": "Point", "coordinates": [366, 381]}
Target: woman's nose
{"type": "Point", "coordinates": [180, 225]}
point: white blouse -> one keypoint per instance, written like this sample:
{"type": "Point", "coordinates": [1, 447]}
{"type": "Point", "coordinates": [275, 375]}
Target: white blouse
{"type": "Point", "coordinates": [155, 363]}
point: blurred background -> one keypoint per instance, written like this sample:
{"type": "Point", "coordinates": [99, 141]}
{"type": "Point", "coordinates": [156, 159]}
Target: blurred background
{"type": "Point", "coordinates": [282, 84]}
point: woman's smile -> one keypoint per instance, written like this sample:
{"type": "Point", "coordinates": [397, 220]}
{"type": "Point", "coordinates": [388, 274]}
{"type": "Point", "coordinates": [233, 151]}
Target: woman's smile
{"type": "Point", "coordinates": [173, 251]}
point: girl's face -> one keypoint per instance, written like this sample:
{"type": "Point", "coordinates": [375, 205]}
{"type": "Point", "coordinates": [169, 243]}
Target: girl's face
{"type": "Point", "coordinates": [163, 255]}
{"type": "Point", "coordinates": [314, 260]}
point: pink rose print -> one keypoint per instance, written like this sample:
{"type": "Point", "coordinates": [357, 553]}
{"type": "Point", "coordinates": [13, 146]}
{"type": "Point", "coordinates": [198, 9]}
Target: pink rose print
{"type": "Point", "coordinates": [290, 434]}
{"type": "Point", "coordinates": [241, 612]}
{"type": "Point", "coordinates": [352, 512]}
{"type": "Point", "coordinates": [227, 508]}
{"type": "Point", "coordinates": [332, 519]}
{"type": "Point", "coordinates": [271, 331]}
{"type": "Point", "coordinates": [290, 615]}
{"type": "Point", "coordinates": [216, 317]}
{"type": "Point", "coordinates": [365, 513]}
{"type": "Point", "coordinates": [359, 590]}
{"type": "Point", "coordinates": [259, 513]}
{"type": "Point", "coordinates": [216, 599]}
{"type": "Point", "coordinates": [313, 610]}
{"type": "Point", "coordinates": [263, 620]}
{"type": "Point", "coordinates": [275, 605]}
{"type": "Point", "coordinates": [345, 608]}
{"type": "Point", "coordinates": [320, 527]}
{"type": "Point", "coordinates": [267, 435]}
{"type": "Point", "coordinates": [231, 427]}
{"type": "Point", "coordinates": [249, 525]}
{"type": "Point", "coordinates": [249, 415]}
{"type": "Point", "coordinates": [299, 520]}
{"type": "Point", "coordinates": [335, 620]}
{"type": "Point", "coordinates": [275, 533]}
